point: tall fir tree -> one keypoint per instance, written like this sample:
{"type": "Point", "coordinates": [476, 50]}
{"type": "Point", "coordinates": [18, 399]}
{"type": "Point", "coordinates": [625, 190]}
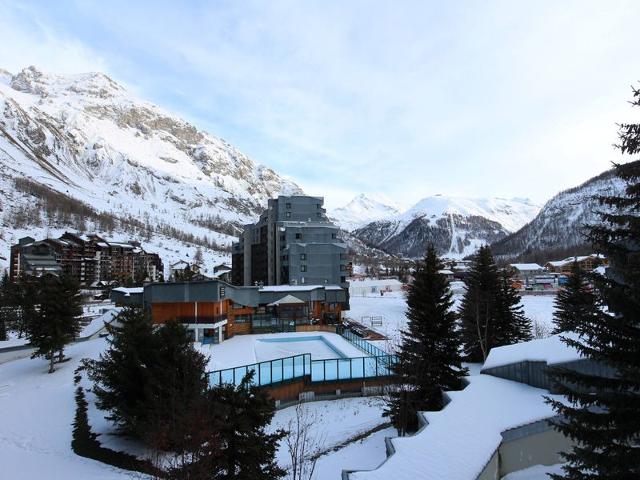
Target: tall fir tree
{"type": "Point", "coordinates": [576, 303]}
{"type": "Point", "coordinates": [56, 320]}
{"type": "Point", "coordinates": [122, 374]}
{"type": "Point", "coordinates": [429, 360]}
{"type": "Point", "coordinates": [602, 414]}
{"type": "Point", "coordinates": [478, 306]}
{"type": "Point", "coordinates": [511, 324]}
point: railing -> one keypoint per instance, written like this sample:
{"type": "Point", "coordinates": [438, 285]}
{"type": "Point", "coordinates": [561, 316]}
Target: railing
{"type": "Point", "coordinates": [363, 344]}
{"type": "Point", "coordinates": [300, 367]}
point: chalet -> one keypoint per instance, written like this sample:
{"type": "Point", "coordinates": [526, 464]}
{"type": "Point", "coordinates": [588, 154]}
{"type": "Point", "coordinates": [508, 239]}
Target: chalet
{"type": "Point", "coordinates": [587, 263]}
{"type": "Point", "coordinates": [525, 272]}
{"type": "Point", "coordinates": [214, 310]}
{"type": "Point", "coordinates": [183, 269]}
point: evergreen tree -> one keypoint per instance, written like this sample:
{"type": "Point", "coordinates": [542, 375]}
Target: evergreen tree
{"type": "Point", "coordinates": [575, 303]}
{"type": "Point", "coordinates": [123, 372]}
{"type": "Point", "coordinates": [247, 451]}
{"type": "Point", "coordinates": [511, 325]}
{"type": "Point", "coordinates": [429, 360]}
{"type": "Point", "coordinates": [478, 306]}
{"type": "Point", "coordinates": [55, 323]}
{"type": "Point", "coordinates": [602, 414]}
{"type": "Point", "coordinates": [149, 379]}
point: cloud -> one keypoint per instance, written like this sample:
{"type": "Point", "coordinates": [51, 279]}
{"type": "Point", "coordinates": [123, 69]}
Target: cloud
{"type": "Point", "coordinates": [484, 99]}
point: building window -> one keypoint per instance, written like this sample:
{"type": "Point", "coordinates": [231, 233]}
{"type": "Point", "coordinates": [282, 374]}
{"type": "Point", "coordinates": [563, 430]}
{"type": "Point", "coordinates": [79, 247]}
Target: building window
{"type": "Point", "coordinates": [343, 256]}
{"type": "Point", "coordinates": [298, 236]}
{"type": "Point", "coordinates": [242, 319]}
{"type": "Point", "coordinates": [318, 206]}
{"type": "Point", "coordinates": [343, 279]}
{"type": "Point", "coordinates": [334, 235]}
{"type": "Point", "coordinates": [303, 256]}
{"type": "Point", "coordinates": [288, 206]}
{"type": "Point", "coordinates": [282, 238]}
{"type": "Point", "coordinates": [343, 268]}
{"type": "Point", "coordinates": [319, 214]}
{"type": "Point", "coordinates": [303, 268]}
{"type": "Point", "coordinates": [288, 214]}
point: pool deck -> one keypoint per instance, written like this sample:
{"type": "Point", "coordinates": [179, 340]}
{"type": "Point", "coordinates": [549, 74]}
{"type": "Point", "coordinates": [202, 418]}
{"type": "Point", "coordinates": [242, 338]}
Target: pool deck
{"type": "Point", "coordinates": [241, 349]}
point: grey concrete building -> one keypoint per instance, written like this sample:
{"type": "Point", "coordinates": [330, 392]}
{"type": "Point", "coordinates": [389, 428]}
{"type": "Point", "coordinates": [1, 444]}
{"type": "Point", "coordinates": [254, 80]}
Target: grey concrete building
{"type": "Point", "coordinates": [292, 243]}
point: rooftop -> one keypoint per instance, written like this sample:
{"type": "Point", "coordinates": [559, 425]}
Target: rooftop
{"type": "Point", "coordinates": [551, 350]}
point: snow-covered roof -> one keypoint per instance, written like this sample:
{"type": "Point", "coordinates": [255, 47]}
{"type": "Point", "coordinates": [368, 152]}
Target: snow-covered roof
{"type": "Point", "coordinates": [460, 439]}
{"type": "Point", "coordinates": [524, 267]}
{"type": "Point", "coordinates": [288, 300]}
{"type": "Point", "coordinates": [551, 350]}
{"type": "Point", "coordinates": [297, 288]}
{"type": "Point", "coordinates": [128, 291]}
{"type": "Point", "coordinates": [445, 272]}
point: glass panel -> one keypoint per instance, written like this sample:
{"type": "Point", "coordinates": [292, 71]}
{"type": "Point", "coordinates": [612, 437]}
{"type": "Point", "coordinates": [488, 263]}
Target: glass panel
{"type": "Point", "coordinates": [369, 367]}
{"type": "Point", "coordinates": [331, 369]}
{"type": "Point", "coordinates": [344, 368]}
{"type": "Point", "coordinates": [317, 371]}
{"type": "Point", "coordinates": [277, 371]}
{"type": "Point", "coordinates": [265, 373]}
{"type": "Point", "coordinates": [288, 368]}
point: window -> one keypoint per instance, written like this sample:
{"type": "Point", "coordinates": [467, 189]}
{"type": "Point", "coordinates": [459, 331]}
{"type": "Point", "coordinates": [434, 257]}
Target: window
{"type": "Point", "coordinates": [319, 214]}
{"type": "Point", "coordinates": [343, 279]}
{"type": "Point", "coordinates": [334, 235]}
{"type": "Point", "coordinates": [288, 206]}
{"type": "Point", "coordinates": [343, 256]}
{"type": "Point", "coordinates": [242, 318]}
{"type": "Point", "coordinates": [288, 214]}
{"type": "Point", "coordinates": [303, 268]}
{"type": "Point", "coordinates": [282, 238]}
{"type": "Point", "coordinates": [318, 206]}
{"type": "Point", "coordinates": [343, 268]}
{"type": "Point", "coordinates": [298, 236]}
{"type": "Point", "coordinates": [303, 256]}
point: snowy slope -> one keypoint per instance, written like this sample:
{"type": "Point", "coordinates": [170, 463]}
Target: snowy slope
{"type": "Point", "coordinates": [364, 209]}
{"type": "Point", "coordinates": [86, 136]}
{"type": "Point", "coordinates": [457, 226]}
{"type": "Point", "coordinates": [561, 222]}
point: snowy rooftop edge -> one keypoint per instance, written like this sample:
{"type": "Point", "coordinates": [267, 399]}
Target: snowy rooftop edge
{"type": "Point", "coordinates": [551, 350]}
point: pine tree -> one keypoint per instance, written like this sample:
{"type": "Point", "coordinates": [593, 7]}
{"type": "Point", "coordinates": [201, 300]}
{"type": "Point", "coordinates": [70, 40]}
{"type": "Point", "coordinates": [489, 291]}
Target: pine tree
{"type": "Point", "coordinates": [149, 379]}
{"type": "Point", "coordinates": [247, 451]}
{"type": "Point", "coordinates": [429, 360]}
{"type": "Point", "coordinates": [602, 415]}
{"type": "Point", "coordinates": [478, 306]}
{"type": "Point", "coordinates": [575, 303]}
{"type": "Point", "coordinates": [122, 374]}
{"type": "Point", "coordinates": [55, 323]}
{"type": "Point", "coordinates": [511, 325]}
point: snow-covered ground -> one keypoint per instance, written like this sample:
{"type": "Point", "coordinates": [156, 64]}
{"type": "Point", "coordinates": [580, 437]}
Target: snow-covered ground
{"type": "Point", "coordinates": [392, 307]}
{"type": "Point", "coordinates": [36, 412]}
{"type": "Point", "coordinates": [332, 424]}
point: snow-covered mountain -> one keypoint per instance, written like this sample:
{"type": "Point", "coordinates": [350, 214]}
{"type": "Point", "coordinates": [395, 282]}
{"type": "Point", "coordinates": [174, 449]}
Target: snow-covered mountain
{"type": "Point", "coordinates": [364, 209]}
{"type": "Point", "coordinates": [88, 138]}
{"type": "Point", "coordinates": [560, 225]}
{"type": "Point", "coordinates": [457, 226]}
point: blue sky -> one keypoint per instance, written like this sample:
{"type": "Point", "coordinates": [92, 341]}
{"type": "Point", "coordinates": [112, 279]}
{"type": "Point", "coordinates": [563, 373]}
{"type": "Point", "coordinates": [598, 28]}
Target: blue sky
{"type": "Point", "coordinates": [408, 99]}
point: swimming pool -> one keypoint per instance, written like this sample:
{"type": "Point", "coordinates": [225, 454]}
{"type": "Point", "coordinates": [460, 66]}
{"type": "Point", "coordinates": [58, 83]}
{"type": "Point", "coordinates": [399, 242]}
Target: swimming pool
{"type": "Point", "coordinates": [318, 346]}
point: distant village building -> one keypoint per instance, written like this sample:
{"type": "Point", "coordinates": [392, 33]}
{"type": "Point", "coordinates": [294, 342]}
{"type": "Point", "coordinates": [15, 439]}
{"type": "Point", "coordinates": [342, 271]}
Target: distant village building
{"type": "Point", "coordinates": [293, 243]}
{"type": "Point", "coordinates": [90, 259]}
{"type": "Point", "coordinates": [586, 262]}
{"type": "Point", "coordinates": [222, 272]}
{"type": "Point", "coordinates": [526, 272]}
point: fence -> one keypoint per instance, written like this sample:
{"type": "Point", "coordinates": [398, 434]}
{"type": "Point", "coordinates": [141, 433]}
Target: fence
{"type": "Point", "coordinates": [300, 367]}
{"type": "Point", "coordinates": [362, 344]}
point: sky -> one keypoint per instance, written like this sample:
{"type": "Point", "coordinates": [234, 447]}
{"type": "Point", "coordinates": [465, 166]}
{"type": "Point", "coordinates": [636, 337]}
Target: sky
{"type": "Point", "coordinates": [406, 99]}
